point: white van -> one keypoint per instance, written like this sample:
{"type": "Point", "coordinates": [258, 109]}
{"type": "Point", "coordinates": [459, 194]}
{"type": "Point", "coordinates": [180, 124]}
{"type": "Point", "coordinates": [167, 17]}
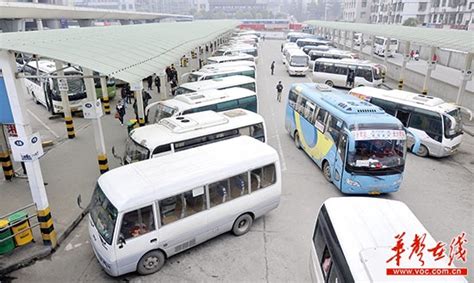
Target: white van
{"type": "Point", "coordinates": [230, 58]}
{"type": "Point", "coordinates": [286, 48]}
{"type": "Point", "coordinates": [297, 62]}
{"type": "Point", "coordinates": [145, 212]}
{"type": "Point", "coordinates": [380, 44]}
{"type": "Point", "coordinates": [219, 84]}
{"type": "Point", "coordinates": [236, 49]}
{"type": "Point", "coordinates": [180, 133]}
{"type": "Point", "coordinates": [213, 99]}
{"type": "Point", "coordinates": [353, 237]}
{"type": "Point", "coordinates": [220, 72]}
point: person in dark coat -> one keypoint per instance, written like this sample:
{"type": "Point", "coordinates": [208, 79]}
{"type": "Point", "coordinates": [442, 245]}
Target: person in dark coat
{"type": "Point", "coordinates": [149, 81]}
{"type": "Point", "coordinates": [279, 89]}
{"type": "Point", "coordinates": [120, 107]}
{"type": "Point", "coordinates": [272, 67]}
{"type": "Point", "coordinates": [168, 73]}
{"type": "Point", "coordinates": [350, 78]}
{"type": "Point", "coordinates": [157, 83]}
{"type": "Point", "coordinates": [173, 85]}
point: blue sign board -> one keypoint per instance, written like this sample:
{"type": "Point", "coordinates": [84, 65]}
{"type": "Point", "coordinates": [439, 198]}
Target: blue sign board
{"type": "Point", "coordinates": [6, 116]}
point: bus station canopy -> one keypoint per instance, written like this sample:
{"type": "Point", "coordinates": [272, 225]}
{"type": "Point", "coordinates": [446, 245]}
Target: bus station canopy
{"type": "Point", "coordinates": [19, 10]}
{"type": "Point", "coordinates": [129, 53]}
{"type": "Point", "coordinates": [442, 38]}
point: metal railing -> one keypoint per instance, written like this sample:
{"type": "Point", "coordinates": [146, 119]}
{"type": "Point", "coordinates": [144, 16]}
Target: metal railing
{"type": "Point", "coordinates": [10, 225]}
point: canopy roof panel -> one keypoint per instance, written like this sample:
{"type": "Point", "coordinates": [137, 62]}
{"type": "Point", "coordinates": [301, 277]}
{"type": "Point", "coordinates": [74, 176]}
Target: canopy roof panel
{"type": "Point", "coordinates": [129, 53]}
{"type": "Point", "coordinates": [18, 10]}
{"type": "Point", "coordinates": [444, 38]}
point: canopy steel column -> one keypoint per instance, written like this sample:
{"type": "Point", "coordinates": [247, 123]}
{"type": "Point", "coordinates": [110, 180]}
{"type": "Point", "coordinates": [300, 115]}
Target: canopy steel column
{"type": "Point", "coordinates": [16, 89]}
{"type": "Point", "coordinates": [466, 75]}
{"type": "Point", "coordinates": [361, 46]}
{"type": "Point", "coordinates": [339, 38]}
{"type": "Point", "coordinates": [372, 47]}
{"type": "Point", "coordinates": [96, 123]}
{"type": "Point", "coordinates": [406, 58]}
{"type": "Point", "coordinates": [65, 102]}
{"type": "Point", "coordinates": [333, 39]}
{"type": "Point", "coordinates": [429, 69]}
{"type": "Point", "coordinates": [105, 95]}
{"type": "Point", "coordinates": [140, 109]}
{"type": "Point", "coordinates": [344, 41]}
{"type": "Point", "coordinates": [352, 41]}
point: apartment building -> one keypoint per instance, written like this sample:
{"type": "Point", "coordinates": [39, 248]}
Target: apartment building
{"type": "Point", "coordinates": [398, 11]}
{"type": "Point", "coordinates": [456, 14]}
{"type": "Point", "coordinates": [356, 11]}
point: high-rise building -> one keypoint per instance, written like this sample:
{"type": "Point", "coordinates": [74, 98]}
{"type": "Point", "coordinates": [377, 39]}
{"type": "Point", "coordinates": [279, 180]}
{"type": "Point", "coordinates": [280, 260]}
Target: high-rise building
{"type": "Point", "coordinates": [398, 11]}
{"type": "Point", "coordinates": [456, 14]}
{"type": "Point", "coordinates": [356, 11]}
{"type": "Point", "coordinates": [231, 7]}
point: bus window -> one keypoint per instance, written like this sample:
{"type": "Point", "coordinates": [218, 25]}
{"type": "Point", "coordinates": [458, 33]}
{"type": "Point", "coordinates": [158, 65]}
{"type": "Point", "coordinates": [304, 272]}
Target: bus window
{"type": "Point", "coordinates": [334, 127]}
{"type": "Point", "coordinates": [218, 192]}
{"type": "Point", "coordinates": [431, 124]}
{"type": "Point", "coordinates": [138, 222]}
{"type": "Point", "coordinates": [320, 119]}
{"type": "Point", "coordinates": [326, 263]}
{"type": "Point", "coordinates": [340, 69]}
{"type": "Point", "coordinates": [187, 144]}
{"type": "Point", "coordinates": [249, 86]}
{"type": "Point", "coordinates": [194, 201]}
{"type": "Point", "coordinates": [239, 185]}
{"type": "Point", "coordinates": [300, 105]}
{"type": "Point", "coordinates": [341, 147]}
{"type": "Point", "coordinates": [403, 116]}
{"type": "Point", "coordinates": [364, 72]}
{"type": "Point", "coordinates": [309, 111]}
{"type": "Point", "coordinates": [292, 98]}
{"type": "Point", "coordinates": [162, 150]}
{"type": "Point", "coordinates": [257, 132]}
{"type": "Point", "coordinates": [227, 105]}
{"type": "Point", "coordinates": [248, 73]}
{"type": "Point", "coordinates": [262, 177]}
{"type": "Point", "coordinates": [387, 106]}
{"type": "Point", "coordinates": [248, 103]}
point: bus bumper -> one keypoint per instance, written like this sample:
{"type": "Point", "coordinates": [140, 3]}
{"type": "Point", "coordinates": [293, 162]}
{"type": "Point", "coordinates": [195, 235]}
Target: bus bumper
{"type": "Point", "coordinates": [371, 185]}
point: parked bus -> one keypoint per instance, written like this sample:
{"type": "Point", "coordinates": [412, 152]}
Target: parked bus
{"type": "Point", "coordinates": [308, 48]}
{"type": "Point", "coordinates": [221, 72]}
{"type": "Point", "coordinates": [294, 37]}
{"type": "Point", "coordinates": [143, 213]}
{"type": "Point", "coordinates": [179, 133]}
{"type": "Point", "coordinates": [220, 83]}
{"type": "Point", "coordinates": [285, 50]}
{"type": "Point", "coordinates": [236, 49]}
{"type": "Point", "coordinates": [230, 58]}
{"type": "Point", "coordinates": [312, 42]}
{"type": "Point", "coordinates": [296, 62]}
{"type": "Point", "coordinates": [334, 72]}
{"type": "Point", "coordinates": [360, 148]}
{"type": "Point", "coordinates": [46, 91]}
{"type": "Point", "coordinates": [437, 123]}
{"type": "Point", "coordinates": [353, 239]}
{"type": "Point", "coordinates": [329, 54]}
{"type": "Point", "coordinates": [230, 64]}
{"type": "Point", "coordinates": [381, 42]}
{"type": "Point", "coordinates": [215, 100]}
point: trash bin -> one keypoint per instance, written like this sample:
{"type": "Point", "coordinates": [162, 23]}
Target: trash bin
{"type": "Point", "coordinates": [7, 245]}
{"type": "Point", "coordinates": [19, 220]}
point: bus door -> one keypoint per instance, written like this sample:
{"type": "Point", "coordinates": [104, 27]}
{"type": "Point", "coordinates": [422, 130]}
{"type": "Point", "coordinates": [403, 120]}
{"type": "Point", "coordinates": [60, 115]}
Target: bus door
{"type": "Point", "coordinates": [403, 115]}
{"type": "Point", "coordinates": [340, 159]}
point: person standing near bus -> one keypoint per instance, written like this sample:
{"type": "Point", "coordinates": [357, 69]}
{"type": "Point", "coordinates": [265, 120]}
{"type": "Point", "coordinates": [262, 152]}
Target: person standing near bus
{"type": "Point", "coordinates": [149, 81]}
{"type": "Point", "coordinates": [120, 107]}
{"type": "Point", "coordinates": [272, 67]}
{"type": "Point", "coordinates": [350, 78]}
{"type": "Point", "coordinates": [279, 88]}
{"type": "Point", "coordinates": [157, 83]}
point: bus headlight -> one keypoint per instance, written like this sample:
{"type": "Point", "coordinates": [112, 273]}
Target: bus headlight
{"type": "Point", "coordinates": [352, 183]}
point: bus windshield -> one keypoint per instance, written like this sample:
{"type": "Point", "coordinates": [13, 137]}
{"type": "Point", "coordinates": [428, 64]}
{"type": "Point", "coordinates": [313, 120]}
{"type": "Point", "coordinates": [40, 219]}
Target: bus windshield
{"type": "Point", "coordinates": [452, 123]}
{"type": "Point", "coordinates": [134, 152]}
{"type": "Point", "coordinates": [163, 111]}
{"type": "Point", "coordinates": [103, 214]}
{"type": "Point", "coordinates": [182, 90]}
{"type": "Point", "coordinates": [377, 73]}
{"type": "Point", "coordinates": [375, 155]}
{"type": "Point", "coordinates": [299, 61]}
{"type": "Point", "coordinates": [193, 77]}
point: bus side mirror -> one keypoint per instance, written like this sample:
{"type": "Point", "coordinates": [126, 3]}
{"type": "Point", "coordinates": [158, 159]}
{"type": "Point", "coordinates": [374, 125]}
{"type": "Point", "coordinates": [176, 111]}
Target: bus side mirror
{"type": "Point", "coordinates": [121, 241]}
{"type": "Point", "coordinates": [416, 144]}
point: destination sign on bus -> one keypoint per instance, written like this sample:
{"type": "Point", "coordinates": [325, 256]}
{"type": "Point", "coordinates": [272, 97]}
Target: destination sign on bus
{"type": "Point", "coordinates": [379, 135]}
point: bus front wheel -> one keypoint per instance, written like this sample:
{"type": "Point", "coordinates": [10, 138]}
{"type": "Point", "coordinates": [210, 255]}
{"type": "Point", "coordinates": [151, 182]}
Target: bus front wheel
{"type": "Point", "coordinates": [422, 151]}
{"type": "Point", "coordinates": [242, 224]}
{"type": "Point", "coordinates": [151, 262]}
{"type": "Point", "coordinates": [327, 171]}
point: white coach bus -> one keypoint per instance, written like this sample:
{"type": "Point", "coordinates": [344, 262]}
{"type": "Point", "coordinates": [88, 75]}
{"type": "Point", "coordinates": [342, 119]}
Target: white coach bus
{"type": "Point", "coordinates": [180, 133]}
{"type": "Point", "coordinates": [219, 84]}
{"type": "Point", "coordinates": [145, 212]}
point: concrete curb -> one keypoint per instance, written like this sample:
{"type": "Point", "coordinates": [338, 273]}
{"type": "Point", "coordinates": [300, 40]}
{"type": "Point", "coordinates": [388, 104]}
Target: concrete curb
{"type": "Point", "coordinates": [44, 251]}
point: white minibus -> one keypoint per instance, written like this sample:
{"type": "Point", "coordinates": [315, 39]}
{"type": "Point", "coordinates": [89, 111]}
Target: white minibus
{"type": "Point", "coordinates": [285, 50]}
{"type": "Point", "coordinates": [230, 58]}
{"type": "Point", "coordinates": [329, 54]}
{"type": "Point", "coordinates": [354, 238]}
{"type": "Point", "coordinates": [179, 133]}
{"type": "Point", "coordinates": [143, 213]}
{"type": "Point", "coordinates": [213, 99]}
{"type": "Point", "coordinates": [380, 43]}
{"type": "Point", "coordinates": [220, 72]}
{"type": "Point", "coordinates": [296, 62]}
{"type": "Point", "coordinates": [436, 123]}
{"type": "Point", "coordinates": [231, 64]}
{"type": "Point", "coordinates": [220, 83]}
{"type": "Point", "coordinates": [334, 72]}
{"type": "Point", "coordinates": [236, 49]}
{"type": "Point", "coordinates": [46, 91]}
{"type": "Point", "coordinates": [312, 42]}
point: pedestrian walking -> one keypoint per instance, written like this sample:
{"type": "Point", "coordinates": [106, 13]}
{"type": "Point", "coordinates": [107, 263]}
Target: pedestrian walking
{"type": "Point", "coordinates": [168, 73]}
{"type": "Point", "coordinates": [279, 89]}
{"type": "Point", "coordinates": [120, 107]}
{"type": "Point", "coordinates": [350, 78]}
{"type": "Point", "coordinates": [412, 53]}
{"type": "Point", "coordinates": [272, 67]}
{"type": "Point", "coordinates": [149, 81]}
{"type": "Point", "coordinates": [146, 97]}
{"type": "Point", "coordinates": [174, 73]}
{"type": "Point", "coordinates": [157, 83]}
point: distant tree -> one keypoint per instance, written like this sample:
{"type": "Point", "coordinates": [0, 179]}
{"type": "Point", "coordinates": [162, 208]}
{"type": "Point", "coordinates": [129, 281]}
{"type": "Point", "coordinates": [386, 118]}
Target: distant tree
{"type": "Point", "coordinates": [411, 22]}
{"type": "Point", "coordinates": [218, 14]}
{"type": "Point", "coordinates": [312, 10]}
{"type": "Point", "coordinates": [240, 15]}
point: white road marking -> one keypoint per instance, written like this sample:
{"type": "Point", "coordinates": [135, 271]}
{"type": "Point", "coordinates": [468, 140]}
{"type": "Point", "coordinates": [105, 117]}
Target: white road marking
{"type": "Point", "coordinates": [280, 149]}
{"type": "Point", "coordinates": [42, 123]}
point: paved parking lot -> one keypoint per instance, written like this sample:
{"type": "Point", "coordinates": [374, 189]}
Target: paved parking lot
{"type": "Point", "coordinates": [439, 191]}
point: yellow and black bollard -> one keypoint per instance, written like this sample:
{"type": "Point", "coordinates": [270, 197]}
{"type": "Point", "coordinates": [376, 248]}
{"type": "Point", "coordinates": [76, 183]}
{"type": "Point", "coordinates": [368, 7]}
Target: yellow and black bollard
{"type": "Point", "coordinates": [141, 122]}
{"type": "Point", "coordinates": [69, 127]}
{"type": "Point", "coordinates": [47, 227]}
{"type": "Point", "coordinates": [424, 92]}
{"type": "Point", "coordinates": [106, 102]}
{"type": "Point", "coordinates": [103, 163]}
{"type": "Point", "coordinates": [6, 165]}
{"type": "Point", "coordinates": [400, 84]}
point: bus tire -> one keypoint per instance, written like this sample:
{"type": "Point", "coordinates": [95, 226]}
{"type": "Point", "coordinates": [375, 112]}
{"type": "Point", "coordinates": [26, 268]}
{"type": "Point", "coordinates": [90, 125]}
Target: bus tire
{"type": "Point", "coordinates": [329, 83]}
{"type": "Point", "coordinates": [422, 151]}
{"type": "Point", "coordinates": [242, 224]}
{"type": "Point", "coordinates": [327, 171]}
{"type": "Point", "coordinates": [297, 140]}
{"type": "Point", "coordinates": [151, 262]}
